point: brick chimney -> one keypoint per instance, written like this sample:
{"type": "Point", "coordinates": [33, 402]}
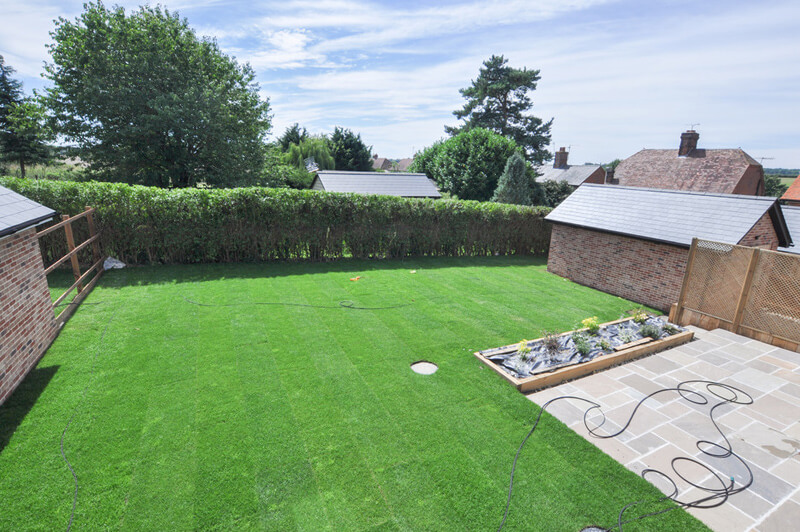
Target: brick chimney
{"type": "Point", "coordinates": [560, 159]}
{"type": "Point", "coordinates": [688, 142]}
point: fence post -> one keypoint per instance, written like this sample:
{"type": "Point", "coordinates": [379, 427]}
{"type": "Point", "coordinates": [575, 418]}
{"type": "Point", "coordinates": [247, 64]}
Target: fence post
{"type": "Point", "coordinates": [92, 232]}
{"type": "Point", "coordinates": [745, 294]}
{"type": "Point", "coordinates": [685, 286]}
{"type": "Point", "coordinates": [76, 267]}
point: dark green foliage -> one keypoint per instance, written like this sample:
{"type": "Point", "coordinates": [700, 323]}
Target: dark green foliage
{"type": "Point", "coordinates": [467, 165]}
{"type": "Point", "coordinates": [783, 172]}
{"type": "Point", "coordinates": [151, 103]}
{"type": "Point", "coordinates": [554, 192]}
{"type": "Point", "coordinates": [498, 100]}
{"type": "Point", "coordinates": [515, 185]}
{"type": "Point", "coordinates": [294, 134]}
{"type": "Point", "coordinates": [23, 127]}
{"type": "Point", "coordinates": [653, 331]}
{"type": "Point", "coordinates": [612, 165]}
{"type": "Point", "coordinates": [773, 186]}
{"type": "Point", "coordinates": [149, 224]}
{"type": "Point", "coordinates": [349, 151]}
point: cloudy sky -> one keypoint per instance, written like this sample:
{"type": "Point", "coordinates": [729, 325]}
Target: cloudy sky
{"type": "Point", "coordinates": [617, 76]}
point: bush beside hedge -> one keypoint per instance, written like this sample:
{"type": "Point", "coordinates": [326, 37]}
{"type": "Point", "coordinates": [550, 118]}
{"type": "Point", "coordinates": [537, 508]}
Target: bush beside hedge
{"type": "Point", "coordinates": [153, 225]}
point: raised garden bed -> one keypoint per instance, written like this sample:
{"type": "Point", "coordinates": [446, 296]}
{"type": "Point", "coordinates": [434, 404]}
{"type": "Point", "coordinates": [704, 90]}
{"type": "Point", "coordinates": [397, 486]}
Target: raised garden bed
{"type": "Point", "coordinates": [534, 364]}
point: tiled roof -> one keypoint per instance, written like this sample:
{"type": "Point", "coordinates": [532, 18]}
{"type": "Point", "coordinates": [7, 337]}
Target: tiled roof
{"type": "Point", "coordinates": [403, 164]}
{"type": "Point", "coordinates": [717, 171]}
{"type": "Point", "coordinates": [386, 183]}
{"type": "Point", "coordinates": [792, 216]}
{"type": "Point", "coordinates": [381, 163]}
{"type": "Point", "coordinates": [574, 175]}
{"type": "Point", "coordinates": [18, 212]}
{"type": "Point", "coordinates": [793, 192]}
{"type": "Point", "coordinates": [670, 216]}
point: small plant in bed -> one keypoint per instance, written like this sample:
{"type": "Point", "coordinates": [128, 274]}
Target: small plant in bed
{"type": "Point", "coordinates": [653, 331]}
{"type": "Point", "coordinates": [640, 316]}
{"type": "Point", "coordinates": [670, 329]}
{"type": "Point", "coordinates": [524, 350]}
{"type": "Point", "coordinates": [550, 342]}
{"type": "Point", "coordinates": [582, 344]}
{"type": "Point", "coordinates": [604, 345]}
{"type": "Point", "coordinates": [591, 324]}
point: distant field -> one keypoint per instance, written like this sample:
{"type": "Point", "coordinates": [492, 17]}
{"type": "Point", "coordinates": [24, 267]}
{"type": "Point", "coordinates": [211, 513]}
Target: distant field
{"type": "Point", "coordinates": [787, 180]}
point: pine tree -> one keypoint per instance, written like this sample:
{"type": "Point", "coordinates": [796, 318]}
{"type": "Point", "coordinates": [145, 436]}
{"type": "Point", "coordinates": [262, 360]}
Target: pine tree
{"type": "Point", "coordinates": [515, 185]}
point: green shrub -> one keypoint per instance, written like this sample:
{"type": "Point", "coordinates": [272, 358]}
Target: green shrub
{"type": "Point", "coordinates": [653, 331]}
{"type": "Point", "coordinates": [153, 225]}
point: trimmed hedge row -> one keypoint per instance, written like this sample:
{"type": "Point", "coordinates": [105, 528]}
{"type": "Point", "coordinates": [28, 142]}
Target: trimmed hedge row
{"type": "Point", "coordinates": [153, 225]}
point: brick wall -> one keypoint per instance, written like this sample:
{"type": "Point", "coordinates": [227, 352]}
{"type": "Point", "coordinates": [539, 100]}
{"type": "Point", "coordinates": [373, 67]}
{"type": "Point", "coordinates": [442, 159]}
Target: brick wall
{"type": "Point", "coordinates": [639, 270]}
{"type": "Point", "coordinates": [762, 235]}
{"type": "Point", "coordinates": [27, 324]}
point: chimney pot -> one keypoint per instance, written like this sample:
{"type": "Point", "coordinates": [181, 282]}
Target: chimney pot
{"type": "Point", "coordinates": [688, 142]}
{"type": "Point", "coordinates": [560, 159]}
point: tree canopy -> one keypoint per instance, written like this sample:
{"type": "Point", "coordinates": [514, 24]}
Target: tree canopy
{"type": "Point", "coordinates": [499, 100]}
{"type": "Point", "coordinates": [467, 165]}
{"type": "Point", "coordinates": [349, 151]}
{"type": "Point", "coordinates": [294, 134]}
{"type": "Point", "coordinates": [23, 126]}
{"type": "Point", "coordinates": [317, 147]}
{"type": "Point", "coordinates": [149, 102]}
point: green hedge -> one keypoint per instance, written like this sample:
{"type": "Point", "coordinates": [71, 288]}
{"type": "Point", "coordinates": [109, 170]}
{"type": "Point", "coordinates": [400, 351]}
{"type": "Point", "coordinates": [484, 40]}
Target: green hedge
{"type": "Point", "coordinates": [153, 225]}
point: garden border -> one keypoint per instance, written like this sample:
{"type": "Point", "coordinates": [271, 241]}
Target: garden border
{"type": "Point", "coordinates": [575, 371]}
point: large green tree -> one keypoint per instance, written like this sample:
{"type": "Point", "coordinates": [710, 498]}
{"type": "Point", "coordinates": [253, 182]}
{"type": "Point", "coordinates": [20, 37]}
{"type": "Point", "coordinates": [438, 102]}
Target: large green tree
{"type": "Point", "coordinates": [24, 131]}
{"type": "Point", "coordinates": [316, 147]}
{"type": "Point", "coordinates": [293, 134]}
{"type": "Point", "coordinates": [467, 165]}
{"type": "Point", "coordinates": [499, 100]}
{"type": "Point", "coordinates": [149, 102]}
{"type": "Point", "coordinates": [349, 151]}
{"type": "Point", "coordinates": [516, 185]}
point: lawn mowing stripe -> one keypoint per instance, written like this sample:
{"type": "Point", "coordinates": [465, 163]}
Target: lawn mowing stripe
{"type": "Point", "coordinates": [356, 500]}
{"type": "Point", "coordinates": [284, 482]}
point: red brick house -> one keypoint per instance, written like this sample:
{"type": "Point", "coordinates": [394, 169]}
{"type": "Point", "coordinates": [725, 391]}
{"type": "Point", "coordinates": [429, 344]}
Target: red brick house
{"type": "Point", "coordinates": [720, 171]}
{"type": "Point", "coordinates": [792, 194]}
{"type": "Point", "coordinates": [574, 175]}
{"type": "Point", "coordinates": [27, 323]}
{"type": "Point", "coordinates": [634, 242]}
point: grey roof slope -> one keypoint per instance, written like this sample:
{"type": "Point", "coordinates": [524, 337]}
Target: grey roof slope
{"type": "Point", "coordinates": [18, 212]}
{"type": "Point", "coordinates": [574, 175]}
{"type": "Point", "coordinates": [387, 183]}
{"type": "Point", "coordinates": [670, 216]}
{"type": "Point", "coordinates": [792, 217]}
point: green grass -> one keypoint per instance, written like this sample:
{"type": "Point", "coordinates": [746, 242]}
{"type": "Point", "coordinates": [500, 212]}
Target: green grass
{"type": "Point", "coordinates": [273, 417]}
{"type": "Point", "coordinates": [788, 180]}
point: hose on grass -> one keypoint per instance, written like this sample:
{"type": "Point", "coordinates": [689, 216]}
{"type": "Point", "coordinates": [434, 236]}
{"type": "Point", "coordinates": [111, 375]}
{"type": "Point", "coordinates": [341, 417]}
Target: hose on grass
{"type": "Point", "coordinates": [75, 412]}
{"type": "Point", "coordinates": [725, 394]}
{"type": "Point", "coordinates": [346, 303]}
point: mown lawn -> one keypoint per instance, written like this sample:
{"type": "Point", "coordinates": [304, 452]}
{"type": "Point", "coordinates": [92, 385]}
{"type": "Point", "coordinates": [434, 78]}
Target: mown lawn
{"type": "Point", "coordinates": [257, 415]}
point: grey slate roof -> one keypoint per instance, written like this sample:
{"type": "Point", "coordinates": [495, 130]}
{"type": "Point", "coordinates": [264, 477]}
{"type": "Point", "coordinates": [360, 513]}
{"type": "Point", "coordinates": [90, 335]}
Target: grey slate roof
{"type": "Point", "coordinates": [386, 183]}
{"type": "Point", "coordinates": [18, 212]}
{"type": "Point", "coordinates": [670, 216]}
{"type": "Point", "coordinates": [792, 216]}
{"type": "Point", "coordinates": [574, 175]}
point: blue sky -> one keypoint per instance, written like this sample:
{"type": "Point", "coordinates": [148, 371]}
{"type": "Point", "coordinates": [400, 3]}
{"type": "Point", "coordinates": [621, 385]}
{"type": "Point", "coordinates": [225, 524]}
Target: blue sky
{"type": "Point", "coordinates": [617, 76]}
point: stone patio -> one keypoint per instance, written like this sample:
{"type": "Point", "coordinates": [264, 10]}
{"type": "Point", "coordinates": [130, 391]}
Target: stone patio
{"type": "Point", "coordinates": [766, 433]}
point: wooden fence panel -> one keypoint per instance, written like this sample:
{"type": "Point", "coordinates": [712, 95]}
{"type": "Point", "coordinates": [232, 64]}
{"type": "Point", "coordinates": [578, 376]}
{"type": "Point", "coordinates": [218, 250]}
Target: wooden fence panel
{"type": "Point", "coordinates": [750, 291]}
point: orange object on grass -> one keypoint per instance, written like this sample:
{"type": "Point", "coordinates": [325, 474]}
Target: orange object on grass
{"type": "Point", "coordinates": [355, 278]}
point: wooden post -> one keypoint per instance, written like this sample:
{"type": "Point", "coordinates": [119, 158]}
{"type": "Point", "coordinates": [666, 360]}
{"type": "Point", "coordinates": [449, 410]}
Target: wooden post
{"type": "Point", "coordinates": [92, 232]}
{"type": "Point", "coordinates": [685, 286]}
{"type": "Point", "coordinates": [76, 267]}
{"type": "Point", "coordinates": [745, 294]}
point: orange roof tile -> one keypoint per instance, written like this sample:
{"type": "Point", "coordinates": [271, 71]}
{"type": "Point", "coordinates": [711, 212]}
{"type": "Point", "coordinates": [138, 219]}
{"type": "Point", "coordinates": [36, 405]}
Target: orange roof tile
{"type": "Point", "coordinates": [793, 193]}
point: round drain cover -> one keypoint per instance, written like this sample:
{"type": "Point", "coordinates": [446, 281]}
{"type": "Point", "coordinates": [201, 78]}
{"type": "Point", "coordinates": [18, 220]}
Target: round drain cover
{"type": "Point", "coordinates": [423, 367]}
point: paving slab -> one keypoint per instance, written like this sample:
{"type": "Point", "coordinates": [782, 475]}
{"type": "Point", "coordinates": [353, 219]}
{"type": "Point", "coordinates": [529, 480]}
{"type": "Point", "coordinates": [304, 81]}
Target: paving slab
{"type": "Point", "coordinates": [765, 434]}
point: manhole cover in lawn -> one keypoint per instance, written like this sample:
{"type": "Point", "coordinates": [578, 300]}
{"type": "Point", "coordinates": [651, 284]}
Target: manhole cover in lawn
{"type": "Point", "coordinates": [423, 367]}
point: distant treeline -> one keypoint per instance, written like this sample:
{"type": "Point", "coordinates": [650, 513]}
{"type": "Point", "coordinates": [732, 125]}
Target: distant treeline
{"type": "Point", "coordinates": [783, 172]}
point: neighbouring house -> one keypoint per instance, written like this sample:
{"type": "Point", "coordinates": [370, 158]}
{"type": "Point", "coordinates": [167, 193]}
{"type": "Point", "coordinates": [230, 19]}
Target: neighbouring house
{"type": "Point", "coordinates": [575, 175]}
{"type": "Point", "coordinates": [792, 194]}
{"type": "Point", "coordinates": [634, 242]}
{"type": "Point", "coordinates": [386, 183]}
{"type": "Point", "coordinates": [792, 216]}
{"type": "Point", "coordinates": [381, 163]}
{"type": "Point", "coordinates": [403, 164]}
{"type": "Point", "coordinates": [720, 171]}
{"type": "Point", "coordinates": [27, 323]}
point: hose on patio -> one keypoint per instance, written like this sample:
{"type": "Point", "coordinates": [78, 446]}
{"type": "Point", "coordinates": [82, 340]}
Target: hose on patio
{"type": "Point", "coordinates": [715, 497]}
